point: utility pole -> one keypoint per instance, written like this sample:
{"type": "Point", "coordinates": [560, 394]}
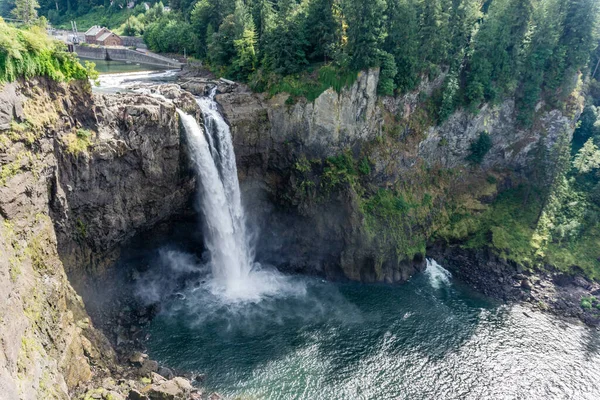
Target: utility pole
{"type": "Point", "coordinates": [596, 69]}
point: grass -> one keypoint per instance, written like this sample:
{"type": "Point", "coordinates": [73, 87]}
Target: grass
{"type": "Point", "coordinates": [26, 53]}
{"type": "Point", "coordinates": [309, 84]}
{"type": "Point", "coordinates": [78, 142]}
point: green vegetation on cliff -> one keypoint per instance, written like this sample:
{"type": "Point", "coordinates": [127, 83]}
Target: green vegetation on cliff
{"type": "Point", "coordinates": [26, 53]}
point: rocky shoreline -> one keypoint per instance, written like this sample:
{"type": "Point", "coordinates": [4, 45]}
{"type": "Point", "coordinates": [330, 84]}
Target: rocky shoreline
{"type": "Point", "coordinates": [568, 296]}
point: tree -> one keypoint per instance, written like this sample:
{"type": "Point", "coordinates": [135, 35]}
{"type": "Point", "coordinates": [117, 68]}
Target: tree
{"type": "Point", "coordinates": [434, 30]}
{"type": "Point", "coordinates": [588, 158]}
{"type": "Point", "coordinates": [207, 13]}
{"type": "Point", "coordinates": [577, 40]}
{"type": "Point", "coordinates": [492, 68]}
{"type": "Point", "coordinates": [26, 10]}
{"type": "Point", "coordinates": [244, 43]}
{"type": "Point", "coordinates": [544, 38]}
{"type": "Point", "coordinates": [321, 28]}
{"type": "Point", "coordinates": [285, 44]}
{"type": "Point", "coordinates": [263, 16]}
{"type": "Point", "coordinates": [387, 74]}
{"type": "Point", "coordinates": [366, 32]}
{"type": "Point", "coordinates": [402, 41]}
{"type": "Point", "coordinates": [463, 25]}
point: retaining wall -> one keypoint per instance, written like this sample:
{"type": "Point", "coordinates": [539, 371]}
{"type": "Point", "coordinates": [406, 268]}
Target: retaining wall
{"type": "Point", "coordinates": [123, 54]}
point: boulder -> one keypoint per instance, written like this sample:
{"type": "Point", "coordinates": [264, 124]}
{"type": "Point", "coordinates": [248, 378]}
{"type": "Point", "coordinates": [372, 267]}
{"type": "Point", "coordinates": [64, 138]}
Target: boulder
{"type": "Point", "coordinates": [148, 366]}
{"type": "Point", "coordinates": [138, 358]}
{"type": "Point", "coordinates": [174, 389]}
{"type": "Point", "coordinates": [135, 395]}
{"type": "Point", "coordinates": [166, 373]}
{"type": "Point", "coordinates": [525, 284]}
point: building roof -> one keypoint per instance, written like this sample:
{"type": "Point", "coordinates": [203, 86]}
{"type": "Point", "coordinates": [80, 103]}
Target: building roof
{"type": "Point", "coordinates": [93, 31]}
{"type": "Point", "coordinates": [106, 35]}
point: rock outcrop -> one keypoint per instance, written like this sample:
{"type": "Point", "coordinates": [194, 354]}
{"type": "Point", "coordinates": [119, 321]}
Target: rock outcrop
{"type": "Point", "coordinates": [395, 135]}
{"type": "Point", "coordinates": [132, 176]}
{"type": "Point", "coordinates": [49, 345]}
{"type": "Point", "coordinates": [80, 174]}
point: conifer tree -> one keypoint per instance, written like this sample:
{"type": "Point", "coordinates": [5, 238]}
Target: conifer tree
{"type": "Point", "coordinates": [321, 29]}
{"type": "Point", "coordinates": [366, 32]}
{"type": "Point", "coordinates": [286, 43]}
{"type": "Point", "coordinates": [434, 30]}
{"type": "Point", "coordinates": [402, 42]}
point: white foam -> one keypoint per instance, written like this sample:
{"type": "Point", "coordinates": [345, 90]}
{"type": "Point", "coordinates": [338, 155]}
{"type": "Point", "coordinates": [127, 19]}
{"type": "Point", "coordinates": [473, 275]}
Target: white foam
{"type": "Point", "coordinates": [438, 275]}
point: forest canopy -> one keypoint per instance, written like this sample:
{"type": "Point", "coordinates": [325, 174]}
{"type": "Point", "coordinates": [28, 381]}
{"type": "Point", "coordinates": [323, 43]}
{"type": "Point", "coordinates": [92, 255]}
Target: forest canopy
{"type": "Point", "coordinates": [488, 48]}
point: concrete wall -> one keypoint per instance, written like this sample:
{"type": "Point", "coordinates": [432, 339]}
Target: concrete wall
{"type": "Point", "coordinates": [123, 54]}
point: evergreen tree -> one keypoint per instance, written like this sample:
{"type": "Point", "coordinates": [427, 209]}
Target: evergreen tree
{"type": "Point", "coordinates": [207, 13]}
{"type": "Point", "coordinates": [434, 30]}
{"type": "Point", "coordinates": [263, 16]}
{"type": "Point", "coordinates": [577, 40]}
{"type": "Point", "coordinates": [588, 158]}
{"type": "Point", "coordinates": [366, 33]}
{"type": "Point", "coordinates": [244, 43]}
{"type": "Point", "coordinates": [540, 49]}
{"type": "Point", "coordinates": [286, 43]}
{"type": "Point", "coordinates": [321, 28]}
{"type": "Point", "coordinates": [221, 46]}
{"type": "Point", "coordinates": [402, 42]}
{"type": "Point", "coordinates": [463, 24]}
{"type": "Point", "coordinates": [498, 51]}
{"type": "Point", "coordinates": [387, 74]}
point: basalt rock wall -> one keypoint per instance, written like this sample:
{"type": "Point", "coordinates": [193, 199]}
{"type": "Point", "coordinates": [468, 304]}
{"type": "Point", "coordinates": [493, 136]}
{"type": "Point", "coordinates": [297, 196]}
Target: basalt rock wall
{"type": "Point", "coordinates": [272, 134]}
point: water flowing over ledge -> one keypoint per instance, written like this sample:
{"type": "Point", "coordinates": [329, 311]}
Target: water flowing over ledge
{"type": "Point", "coordinates": [236, 276]}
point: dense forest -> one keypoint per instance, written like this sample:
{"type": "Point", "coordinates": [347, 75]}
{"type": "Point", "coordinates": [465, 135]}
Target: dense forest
{"type": "Point", "coordinates": [489, 49]}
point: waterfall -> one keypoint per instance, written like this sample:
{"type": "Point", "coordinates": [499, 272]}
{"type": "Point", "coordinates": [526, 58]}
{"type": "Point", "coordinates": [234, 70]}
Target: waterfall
{"type": "Point", "coordinates": [236, 275]}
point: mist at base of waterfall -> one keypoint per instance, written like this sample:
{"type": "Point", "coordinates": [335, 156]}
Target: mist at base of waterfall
{"type": "Point", "coordinates": [427, 339]}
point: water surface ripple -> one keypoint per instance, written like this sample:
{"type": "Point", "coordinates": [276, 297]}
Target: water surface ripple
{"type": "Point", "coordinates": [422, 340]}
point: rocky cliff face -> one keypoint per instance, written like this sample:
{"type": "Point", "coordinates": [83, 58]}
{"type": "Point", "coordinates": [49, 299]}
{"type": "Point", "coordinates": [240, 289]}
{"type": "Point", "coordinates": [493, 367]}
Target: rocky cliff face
{"type": "Point", "coordinates": [48, 343]}
{"type": "Point", "coordinates": [131, 177]}
{"type": "Point", "coordinates": [349, 186]}
{"type": "Point", "coordinates": [80, 174]}
{"type": "Point", "coordinates": [283, 152]}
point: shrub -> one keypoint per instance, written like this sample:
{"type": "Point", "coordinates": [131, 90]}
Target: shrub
{"type": "Point", "coordinates": [586, 303]}
{"type": "Point", "coordinates": [480, 148]}
{"type": "Point", "coordinates": [25, 53]}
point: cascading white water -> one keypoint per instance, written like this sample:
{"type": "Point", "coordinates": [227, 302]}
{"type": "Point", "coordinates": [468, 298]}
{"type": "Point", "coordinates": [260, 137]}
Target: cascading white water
{"type": "Point", "coordinates": [221, 149]}
{"type": "Point", "coordinates": [438, 275]}
{"type": "Point", "coordinates": [236, 276]}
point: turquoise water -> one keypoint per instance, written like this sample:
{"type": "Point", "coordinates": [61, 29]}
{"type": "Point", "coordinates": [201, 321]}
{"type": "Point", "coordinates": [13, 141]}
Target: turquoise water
{"type": "Point", "coordinates": [428, 339]}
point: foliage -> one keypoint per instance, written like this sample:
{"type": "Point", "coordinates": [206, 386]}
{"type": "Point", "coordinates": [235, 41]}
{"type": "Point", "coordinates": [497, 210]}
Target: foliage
{"type": "Point", "coordinates": [25, 53]}
{"type": "Point", "coordinates": [170, 36]}
{"type": "Point", "coordinates": [309, 84]}
{"type": "Point", "coordinates": [78, 142]}
{"type": "Point", "coordinates": [587, 302]}
{"type": "Point", "coordinates": [26, 10]}
{"type": "Point", "coordinates": [479, 148]}
{"type": "Point", "coordinates": [588, 158]}
{"type": "Point", "coordinates": [528, 49]}
{"type": "Point", "coordinates": [387, 74]}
